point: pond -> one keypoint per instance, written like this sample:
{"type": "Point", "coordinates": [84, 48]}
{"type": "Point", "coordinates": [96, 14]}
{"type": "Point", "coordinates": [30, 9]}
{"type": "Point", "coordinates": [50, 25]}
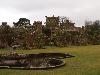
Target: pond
{"type": "Point", "coordinates": [33, 61]}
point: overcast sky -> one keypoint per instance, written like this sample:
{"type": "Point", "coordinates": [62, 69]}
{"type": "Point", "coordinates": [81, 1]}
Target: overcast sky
{"type": "Point", "coordinates": [77, 10]}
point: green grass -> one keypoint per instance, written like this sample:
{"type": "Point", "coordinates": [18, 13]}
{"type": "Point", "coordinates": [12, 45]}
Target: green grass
{"type": "Point", "coordinates": [85, 62]}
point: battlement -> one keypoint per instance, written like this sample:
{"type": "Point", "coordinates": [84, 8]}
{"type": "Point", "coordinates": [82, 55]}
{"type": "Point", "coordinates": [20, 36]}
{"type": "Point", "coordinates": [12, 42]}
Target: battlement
{"type": "Point", "coordinates": [4, 23]}
{"type": "Point", "coordinates": [53, 17]}
{"type": "Point", "coordinates": [37, 22]}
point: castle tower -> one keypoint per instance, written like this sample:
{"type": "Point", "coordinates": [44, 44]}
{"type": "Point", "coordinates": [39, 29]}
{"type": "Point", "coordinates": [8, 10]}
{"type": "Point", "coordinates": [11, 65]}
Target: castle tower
{"type": "Point", "coordinates": [52, 22]}
{"type": "Point", "coordinates": [38, 26]}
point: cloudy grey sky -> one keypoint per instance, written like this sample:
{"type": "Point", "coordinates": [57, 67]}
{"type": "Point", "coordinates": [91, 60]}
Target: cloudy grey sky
{"type": "Point", "coordinates": [77, 10]}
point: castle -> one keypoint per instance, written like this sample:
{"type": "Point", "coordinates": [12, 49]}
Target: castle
{"type": "Point", "coordinates": [57, 31]}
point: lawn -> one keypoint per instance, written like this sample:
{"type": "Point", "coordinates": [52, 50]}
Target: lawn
{"type": "Point", "coordinates": [85, 62]}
